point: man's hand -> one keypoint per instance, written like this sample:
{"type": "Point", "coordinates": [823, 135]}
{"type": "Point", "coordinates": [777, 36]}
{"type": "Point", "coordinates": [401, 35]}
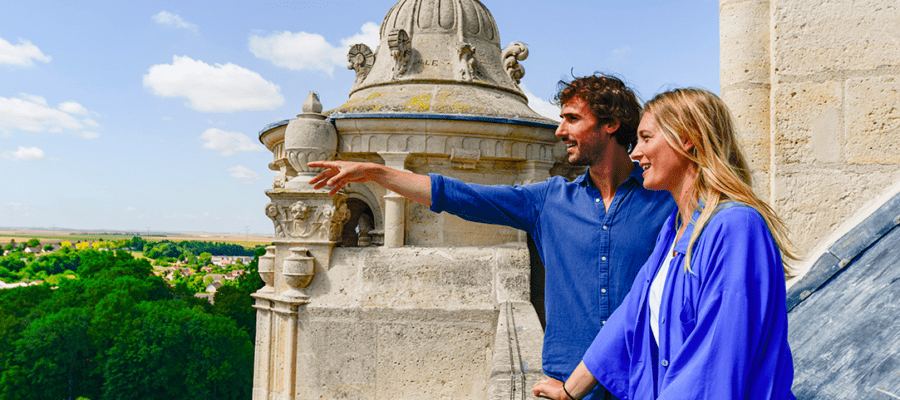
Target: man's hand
{"type": "Point", "coordinates": [550, 389]}
{"type": "Point", "coordinates": [339, 173]}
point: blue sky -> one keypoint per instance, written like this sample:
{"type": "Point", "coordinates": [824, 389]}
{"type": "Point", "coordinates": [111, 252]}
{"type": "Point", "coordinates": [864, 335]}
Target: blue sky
{"type": "Point", "coordinates": [137, 115]}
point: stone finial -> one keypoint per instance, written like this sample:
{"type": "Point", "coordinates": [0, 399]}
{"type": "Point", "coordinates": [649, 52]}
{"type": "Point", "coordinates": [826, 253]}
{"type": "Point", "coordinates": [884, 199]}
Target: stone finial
{"type": "Point", "coordinates": [312, 105]}
{"type": "Point", "coordinates": [398, 42]}
{"type": "Point", "coordinates": [309, 137]}
{"type": "Point", "coordinates": [511, 56]}
{"type": "Point", "coordinates": [360, 59]}
{"type": "Point", "coordinates": [466, 61]}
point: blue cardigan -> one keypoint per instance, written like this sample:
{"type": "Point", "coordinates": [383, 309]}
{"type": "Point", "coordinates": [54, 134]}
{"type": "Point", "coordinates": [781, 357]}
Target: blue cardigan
{"type": "Point", "coordinates": [723, 326]}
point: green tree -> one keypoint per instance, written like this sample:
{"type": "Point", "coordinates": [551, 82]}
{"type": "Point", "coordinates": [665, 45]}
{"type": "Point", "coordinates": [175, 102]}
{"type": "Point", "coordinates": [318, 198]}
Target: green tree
{"type": "Point", "coordinates": [55, 357]}
{"type": "Point", "coordinates": [33, 242]}
{"type": "Point", "coordinates": [204, 259]}
{"type": "Point", "coordinates": [174, 352]}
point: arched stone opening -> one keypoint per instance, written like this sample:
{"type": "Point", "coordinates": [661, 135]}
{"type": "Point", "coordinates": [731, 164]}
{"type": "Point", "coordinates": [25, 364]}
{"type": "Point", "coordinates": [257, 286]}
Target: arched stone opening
{"type": "Point", "coordinates": [358, 230]}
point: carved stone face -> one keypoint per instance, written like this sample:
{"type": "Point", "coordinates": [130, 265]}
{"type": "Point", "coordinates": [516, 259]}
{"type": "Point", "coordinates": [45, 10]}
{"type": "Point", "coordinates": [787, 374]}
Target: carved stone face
{"type": "Point", "coordinates": [299, 210]}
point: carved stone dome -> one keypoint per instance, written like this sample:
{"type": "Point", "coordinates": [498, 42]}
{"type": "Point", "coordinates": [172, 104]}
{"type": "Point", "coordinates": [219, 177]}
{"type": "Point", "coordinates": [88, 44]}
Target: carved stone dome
{"type": "Point", "coordinates": [439, 56]}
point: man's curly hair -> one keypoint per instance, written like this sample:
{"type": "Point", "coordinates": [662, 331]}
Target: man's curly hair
{"type": "Point", "coordinates": [610, 100]}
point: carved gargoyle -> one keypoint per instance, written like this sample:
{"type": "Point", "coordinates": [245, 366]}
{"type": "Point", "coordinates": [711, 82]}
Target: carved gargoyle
{"type": "Point", "coordinates": [398, 42]}
{"type": "Point", "coordinates": [466, 61]}
{"type": "Point", "coordinates": [361, 59]}
{"type": "Point", "coordinates": [514, 53]}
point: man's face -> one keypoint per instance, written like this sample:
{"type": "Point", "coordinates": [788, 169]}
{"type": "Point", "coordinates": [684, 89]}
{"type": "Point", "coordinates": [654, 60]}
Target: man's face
{"type": "Point", "coordinates": [585, 141]}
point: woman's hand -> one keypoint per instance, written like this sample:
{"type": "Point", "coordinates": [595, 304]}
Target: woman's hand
{"type": "Point", "coordinates": [550, 389]}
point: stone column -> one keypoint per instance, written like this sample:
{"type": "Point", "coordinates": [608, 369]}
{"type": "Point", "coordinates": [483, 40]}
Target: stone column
{"type": "Point", "coordinates": [745, 79]}
{"type": "Point", "coordinates": [394, 204]}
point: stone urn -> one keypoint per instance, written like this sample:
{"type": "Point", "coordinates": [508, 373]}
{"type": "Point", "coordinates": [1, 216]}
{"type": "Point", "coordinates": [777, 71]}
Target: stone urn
{"type": "Point", "coordinates": [266, 268]}
{"type": "Point", "coordinates": [298, 270]}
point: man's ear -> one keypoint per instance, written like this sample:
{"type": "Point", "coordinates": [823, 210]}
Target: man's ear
{"type": "Point", "coordinates": [611, 127]}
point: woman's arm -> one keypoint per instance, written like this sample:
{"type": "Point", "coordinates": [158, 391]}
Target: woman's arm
{"type": "Point", "coordinates": [579, 384]}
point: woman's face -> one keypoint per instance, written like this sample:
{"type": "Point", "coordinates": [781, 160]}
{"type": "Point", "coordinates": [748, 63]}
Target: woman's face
{"type": "Point", "coordinates": [664, 168]}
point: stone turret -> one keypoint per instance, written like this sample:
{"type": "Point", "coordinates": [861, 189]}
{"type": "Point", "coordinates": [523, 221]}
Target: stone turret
{"type": "Point", "coordinates": [369, 295]}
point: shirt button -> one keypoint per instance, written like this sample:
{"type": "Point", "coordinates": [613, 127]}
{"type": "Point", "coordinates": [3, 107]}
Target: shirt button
{"type": "Point", "coordinates": [596, 200]}
{"type": "Point", "coordinates": [605, 227]}
{"type": "Point", "coordinates": [603, 258]}
{"type": "Point", "coordinates": [663, 320]}
{"type": "Point", "coordinates": [603, 290]}
{"type": "Point", "coordinates": [603, 322]}
{"type": "Point", "coordinates": [665, 363]}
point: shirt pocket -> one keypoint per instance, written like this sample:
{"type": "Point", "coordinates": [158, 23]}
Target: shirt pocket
{"type": "Point", "coordinates": [688, 318]}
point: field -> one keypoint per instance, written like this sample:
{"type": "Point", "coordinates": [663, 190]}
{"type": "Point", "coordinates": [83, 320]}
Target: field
{"type": "Point", "coordinates": [57, 236]}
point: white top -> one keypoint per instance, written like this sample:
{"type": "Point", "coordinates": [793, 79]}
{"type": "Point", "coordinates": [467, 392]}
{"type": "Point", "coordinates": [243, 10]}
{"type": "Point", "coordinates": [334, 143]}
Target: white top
{"type": "Point", "coordinates": [656, 292]}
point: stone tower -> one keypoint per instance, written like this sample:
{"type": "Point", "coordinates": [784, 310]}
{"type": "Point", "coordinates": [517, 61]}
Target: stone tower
{"type": "Point", "coordinates": [369, 296]}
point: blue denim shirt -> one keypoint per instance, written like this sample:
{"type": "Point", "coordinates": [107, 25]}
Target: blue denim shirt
{"type": "Point", "coordinates": [591, 255]}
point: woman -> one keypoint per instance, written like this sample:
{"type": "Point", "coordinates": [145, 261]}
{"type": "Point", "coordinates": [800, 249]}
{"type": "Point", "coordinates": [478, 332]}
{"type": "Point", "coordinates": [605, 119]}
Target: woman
{"type": "Point", "coordinates": [706, 316]}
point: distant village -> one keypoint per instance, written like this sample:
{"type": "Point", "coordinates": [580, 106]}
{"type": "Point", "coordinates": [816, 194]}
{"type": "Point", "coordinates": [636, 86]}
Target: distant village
{"type": "Point", "coordinates": [218, 270]}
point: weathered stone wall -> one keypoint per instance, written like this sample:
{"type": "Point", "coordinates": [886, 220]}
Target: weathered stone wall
{"type": "Point", "coordinates": [815, 88]}
{"type": "Point", "coordinates": [402, 323]}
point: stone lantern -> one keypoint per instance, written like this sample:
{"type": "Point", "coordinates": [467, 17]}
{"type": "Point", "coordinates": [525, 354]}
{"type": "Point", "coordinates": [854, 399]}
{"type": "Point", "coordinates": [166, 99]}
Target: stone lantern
{"type": "Point", "coordinates": [374, 296]}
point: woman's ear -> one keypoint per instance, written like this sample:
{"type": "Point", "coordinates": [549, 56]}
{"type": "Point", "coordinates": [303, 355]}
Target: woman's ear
{"type": "Point", "coordinates": [687, 145]}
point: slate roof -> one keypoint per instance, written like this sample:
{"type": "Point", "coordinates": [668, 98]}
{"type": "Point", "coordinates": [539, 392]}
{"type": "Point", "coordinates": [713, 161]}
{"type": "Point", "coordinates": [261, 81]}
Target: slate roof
{"type": "Point", "coordinates": [844, 315]}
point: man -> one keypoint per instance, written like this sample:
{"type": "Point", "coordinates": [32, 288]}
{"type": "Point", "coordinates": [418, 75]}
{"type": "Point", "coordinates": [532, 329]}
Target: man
{"type": "Point", "coordinates": [593, 234]}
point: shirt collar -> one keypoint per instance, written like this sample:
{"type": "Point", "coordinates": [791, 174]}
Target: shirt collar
{"type": "Point", "coordinates": [637, 174]}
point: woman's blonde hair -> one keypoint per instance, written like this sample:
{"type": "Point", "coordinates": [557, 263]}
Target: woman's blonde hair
{"type": "Point", "coordinates": [699, 116]}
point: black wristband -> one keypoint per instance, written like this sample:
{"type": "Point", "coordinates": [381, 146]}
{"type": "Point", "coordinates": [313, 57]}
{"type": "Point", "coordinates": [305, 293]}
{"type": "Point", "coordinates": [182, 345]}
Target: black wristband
{"type": "Point", "coordinates": [567, 392]}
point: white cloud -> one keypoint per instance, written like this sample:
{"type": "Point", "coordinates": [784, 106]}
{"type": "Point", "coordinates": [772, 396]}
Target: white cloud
{"type": "Point", "coordinates": [25, 153]}
{"type": "Point", "coordinates": [310, 51]}
{"type": "Point", "coordinates": [90, 122]}
{"type": "Point", "coordinates": [22, 54]}
{"type": "Point", "coordinates": [166, 18]}
{"type": "Point", "coordinates": [90, 135]}
{"type": "Point", "coordinates": [218, 88]}
{"type": "Point", "coordinates": [72, 107]}
{"type": "Point", "coordinates": [368, 35]}
{"type": "Point", "coordinates": [228, 143]}
{"type": "Point", "coordinates": [243, 173]}
{"type": "Point", "coordinates": [540, 105]}
{"type": "Point", "coordinates": [32, 114]}
{"type": "Point", "coordinates": [131, 209]}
